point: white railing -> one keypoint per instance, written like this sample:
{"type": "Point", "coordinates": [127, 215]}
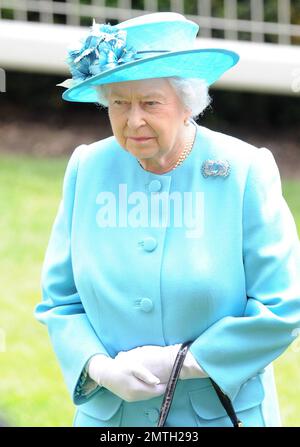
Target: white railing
{"type": "Point", "coordinates": [41, 47]}
{"type": "Point", "coordinates": [250, 24]}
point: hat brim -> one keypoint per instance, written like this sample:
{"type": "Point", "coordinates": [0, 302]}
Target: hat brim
{"type": "Point", "coordinates": [207, 64]}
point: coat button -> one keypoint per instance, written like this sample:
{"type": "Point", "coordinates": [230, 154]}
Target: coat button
{"type": "Point", "coordinates": [149, 243]}
{"type": "Point", "coordinates": [153, 414]}
{"type": "Point", "coordinates": [154, 186]}
{"type": "Point", "coordinates": [146, 304]}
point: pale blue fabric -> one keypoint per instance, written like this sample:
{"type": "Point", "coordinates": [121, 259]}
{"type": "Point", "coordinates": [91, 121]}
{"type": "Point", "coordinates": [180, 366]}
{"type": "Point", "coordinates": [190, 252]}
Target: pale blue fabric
{"type": "Point", "coordinates": [104, 48]}
{"type": "Point", "coordinates": [235, 290]}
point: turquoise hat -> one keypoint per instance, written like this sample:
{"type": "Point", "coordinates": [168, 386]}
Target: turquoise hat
{"type": "Point", "coordinates": [149, 46]}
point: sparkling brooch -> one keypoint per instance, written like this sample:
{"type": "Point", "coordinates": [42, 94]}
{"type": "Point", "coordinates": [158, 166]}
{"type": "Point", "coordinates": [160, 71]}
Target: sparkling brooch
{"type": "Point", "coordinates": [215, 168]}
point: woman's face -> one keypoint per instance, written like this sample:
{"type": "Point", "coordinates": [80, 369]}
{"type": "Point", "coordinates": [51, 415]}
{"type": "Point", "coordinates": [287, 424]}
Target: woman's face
{"type": "Point", "coordinates": [147, 109]}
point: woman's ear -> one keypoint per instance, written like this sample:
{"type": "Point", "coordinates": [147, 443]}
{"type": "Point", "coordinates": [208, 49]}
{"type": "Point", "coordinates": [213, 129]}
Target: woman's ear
{"type": "Point", "coordinates": [187, 115]}
{"type": "Point", "coordinates": [187, 118]}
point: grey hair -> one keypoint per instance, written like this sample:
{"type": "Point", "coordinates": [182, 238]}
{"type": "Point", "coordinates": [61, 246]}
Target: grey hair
{"type": "Point", "coordinates": [193, 93]}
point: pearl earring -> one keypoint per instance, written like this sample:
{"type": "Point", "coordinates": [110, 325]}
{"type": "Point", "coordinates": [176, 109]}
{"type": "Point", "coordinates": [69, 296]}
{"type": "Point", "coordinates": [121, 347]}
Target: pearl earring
{"type": "Point", "coordinates": [186, 122]}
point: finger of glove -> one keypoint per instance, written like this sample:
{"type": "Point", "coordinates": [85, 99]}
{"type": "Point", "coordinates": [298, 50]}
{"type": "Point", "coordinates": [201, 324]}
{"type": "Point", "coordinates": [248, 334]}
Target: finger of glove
{"type": "Point", "coordinates": [146, 392]}
{"type": "Point", "coordinates": [159, 389]}
{"type": "Point", "coordinates": [145, 375]}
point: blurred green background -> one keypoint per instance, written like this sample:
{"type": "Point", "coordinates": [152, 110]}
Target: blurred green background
{"type": "Point", "coordinates": [31, 388]}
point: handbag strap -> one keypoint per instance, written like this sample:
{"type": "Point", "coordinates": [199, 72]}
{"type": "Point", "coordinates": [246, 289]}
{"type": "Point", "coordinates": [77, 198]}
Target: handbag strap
{"type": "Point", "coordinates": [171, 385]}
{"type": "Point", "coordinates": [227, 404]}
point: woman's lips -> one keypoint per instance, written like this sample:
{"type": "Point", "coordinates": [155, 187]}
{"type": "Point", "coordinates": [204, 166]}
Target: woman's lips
{"type": "Point", "coordinates": [140, 140]}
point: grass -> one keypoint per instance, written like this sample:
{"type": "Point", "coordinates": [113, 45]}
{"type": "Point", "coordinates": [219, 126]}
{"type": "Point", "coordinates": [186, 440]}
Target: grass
{"type": "Point", "coordinates": [31, 388]}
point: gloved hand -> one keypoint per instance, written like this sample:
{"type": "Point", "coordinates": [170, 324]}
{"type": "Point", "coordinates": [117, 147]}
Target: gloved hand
{"type": "Point", "coordinates": [160, 360]}
{"type": "Point", "coordinates": [191, 368]}
{"type": "Point", "coordinates": [157, 359]}
{"type": "Point", "coordinates": [130, 380]}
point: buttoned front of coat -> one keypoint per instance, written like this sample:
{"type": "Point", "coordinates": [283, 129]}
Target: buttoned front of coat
{"type": "Point", "coordinates": [137, 258]}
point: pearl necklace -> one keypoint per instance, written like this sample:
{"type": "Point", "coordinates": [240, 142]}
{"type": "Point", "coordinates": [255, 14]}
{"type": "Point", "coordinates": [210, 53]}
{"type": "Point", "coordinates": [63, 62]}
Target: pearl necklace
{"type": "Point", "coordinates": [187, 149]}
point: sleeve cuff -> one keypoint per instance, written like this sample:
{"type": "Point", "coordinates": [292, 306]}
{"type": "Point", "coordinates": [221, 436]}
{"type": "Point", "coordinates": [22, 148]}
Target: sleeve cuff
{"type": "Point", "coordinates": [85, 387]}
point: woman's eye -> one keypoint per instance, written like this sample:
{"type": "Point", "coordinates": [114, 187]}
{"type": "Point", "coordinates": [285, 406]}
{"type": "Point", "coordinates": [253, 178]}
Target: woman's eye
{"type": "Point", "coordinates": [119, 103]}
{"type": "Point", "coordinates": [151, 103]}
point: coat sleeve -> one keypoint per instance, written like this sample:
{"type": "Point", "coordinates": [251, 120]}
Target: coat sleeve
{"type": "Point", "coordinates": [72, 336]}
{"type": "Point", "coordinates": [234, 349]}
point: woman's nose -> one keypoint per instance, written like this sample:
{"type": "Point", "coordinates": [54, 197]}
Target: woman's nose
{"type": "Point", "coordinates": [135, 117]}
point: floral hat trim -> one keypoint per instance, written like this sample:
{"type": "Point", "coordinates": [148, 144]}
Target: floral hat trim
{"type": "Point", "coordinates": [103, 49]}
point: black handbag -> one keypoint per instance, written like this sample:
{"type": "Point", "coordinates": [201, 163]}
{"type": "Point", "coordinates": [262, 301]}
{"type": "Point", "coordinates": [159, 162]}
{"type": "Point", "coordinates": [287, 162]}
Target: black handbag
{"type": "Point", "coordinates": [171, 385]}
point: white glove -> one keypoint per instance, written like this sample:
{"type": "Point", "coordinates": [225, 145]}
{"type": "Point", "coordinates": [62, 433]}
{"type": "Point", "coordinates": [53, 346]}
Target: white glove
{"type": "Point", "coordinates": [160, 360]}
{"type": "Point", "coordinates": [130, 380]}
{"type": "Point", "coordinates": [157, 359]}
{"type": "Point", "coordinates": [191, 368]}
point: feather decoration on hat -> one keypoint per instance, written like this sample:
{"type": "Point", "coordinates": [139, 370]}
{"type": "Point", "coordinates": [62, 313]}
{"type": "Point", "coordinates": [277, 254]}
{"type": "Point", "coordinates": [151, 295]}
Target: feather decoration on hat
{"type": "Point", "coordinates": [103, 49]}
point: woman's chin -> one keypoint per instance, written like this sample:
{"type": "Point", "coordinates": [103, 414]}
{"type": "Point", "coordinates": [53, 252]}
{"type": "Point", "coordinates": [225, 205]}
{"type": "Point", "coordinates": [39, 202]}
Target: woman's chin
{"type": "Point", "coordinates": [142, 152]}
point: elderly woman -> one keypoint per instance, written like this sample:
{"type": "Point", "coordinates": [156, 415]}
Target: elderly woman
{"type": "Point", "coordinates": [167, 232]}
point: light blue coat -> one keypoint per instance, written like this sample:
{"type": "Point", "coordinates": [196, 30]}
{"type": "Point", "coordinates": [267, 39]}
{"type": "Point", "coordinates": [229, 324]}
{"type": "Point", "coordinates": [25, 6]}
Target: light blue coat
{"type": "Point", "coordinates": [233, 287]}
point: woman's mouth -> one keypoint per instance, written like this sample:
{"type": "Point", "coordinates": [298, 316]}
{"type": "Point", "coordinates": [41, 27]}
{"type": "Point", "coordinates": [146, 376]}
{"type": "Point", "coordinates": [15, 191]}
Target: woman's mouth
{"type": "Point", "coordinates": [141, 139]}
